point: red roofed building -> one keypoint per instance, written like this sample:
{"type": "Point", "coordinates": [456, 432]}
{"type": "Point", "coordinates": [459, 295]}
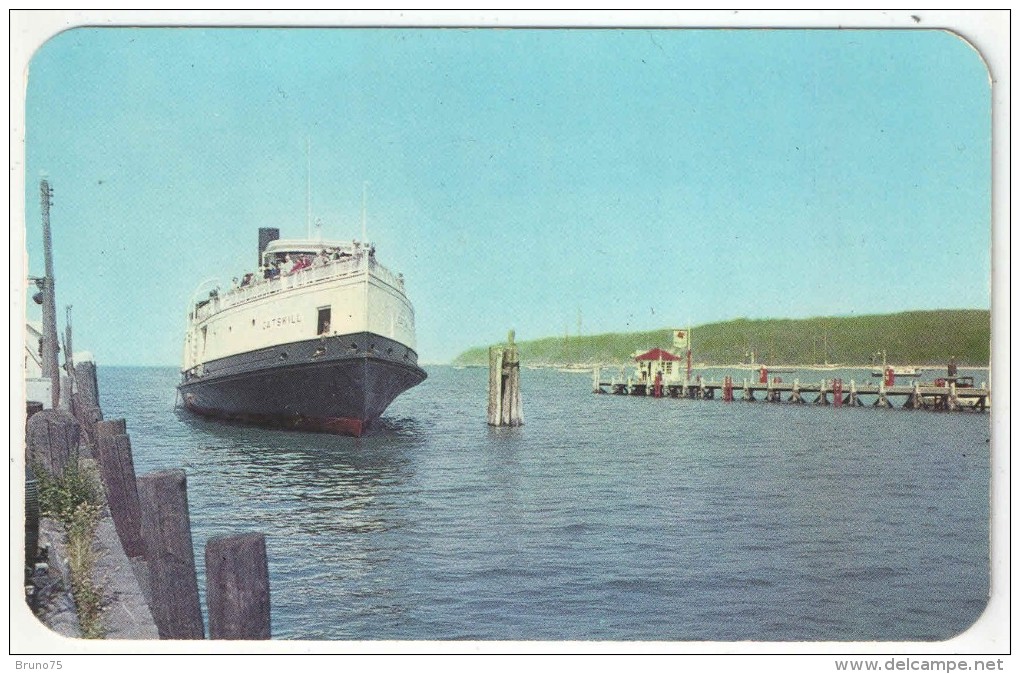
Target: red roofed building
{"type": "Point", "coordinates": [659, 360]}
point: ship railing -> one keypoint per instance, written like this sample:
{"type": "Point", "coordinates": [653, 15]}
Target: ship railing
{"type": "Point", "coordinates": [395, 280]}
{"type": "Point", "coordinates": [335, 269]}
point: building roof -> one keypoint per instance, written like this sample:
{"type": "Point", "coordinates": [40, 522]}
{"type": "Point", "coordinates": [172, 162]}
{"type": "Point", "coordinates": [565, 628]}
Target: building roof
{"type": "Point", "coordinates": [657, 354]}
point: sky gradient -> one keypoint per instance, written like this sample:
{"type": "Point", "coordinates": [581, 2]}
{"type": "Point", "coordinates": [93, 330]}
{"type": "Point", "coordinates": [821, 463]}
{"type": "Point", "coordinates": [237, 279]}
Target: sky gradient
{"type": "Point", "coordinates": [638, 179]}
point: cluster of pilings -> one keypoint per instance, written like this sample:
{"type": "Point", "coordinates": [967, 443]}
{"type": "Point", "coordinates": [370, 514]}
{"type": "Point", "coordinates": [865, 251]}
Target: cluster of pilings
{"type": "Point", "coordinates": [505, 385]}
{"type": "Point", "coordinates": [150, 515]}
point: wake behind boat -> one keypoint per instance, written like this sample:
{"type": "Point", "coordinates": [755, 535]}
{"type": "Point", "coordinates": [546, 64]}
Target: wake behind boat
{"type": "Point", "coordinates": [320, 338]}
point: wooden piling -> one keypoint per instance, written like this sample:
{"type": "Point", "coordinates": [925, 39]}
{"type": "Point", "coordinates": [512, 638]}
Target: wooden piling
{"type": "Point", "coordinates": [852, 398]}
{"type": "Point", "coordinates": [495, 385]}
{"type": "Point", "coordinates": [748, 393]}
{"type": "Point", "coordinates": [882, 400]}
{"type": "Point", "coordinates": [823, 396]}
{"type": "Point", "coordinates": [52, 441]}
{"type": "Point", "coordinates": [795, 396]}
{"type": "Point", "coordinates": [915, 400]}
{"type": "Point", "coordinates": [85, 401]}
{"type": "Point", "coordinates": [117, 470]}
{"type": "Point", "coordinates": [837, 392]}
{"type": "Point", "coordinates": [166, 535]}
{"type": "Point", "coordinates": [237, 587]}
{"type": "Point", "coordinates": [110, 427]}
{"type": "Point", "coordinates": [505, 385]}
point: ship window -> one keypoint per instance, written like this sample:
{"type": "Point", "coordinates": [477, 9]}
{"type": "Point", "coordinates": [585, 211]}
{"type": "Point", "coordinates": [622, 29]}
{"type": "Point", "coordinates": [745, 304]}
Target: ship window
{"type": "Point", "coordinates": [323, 328]}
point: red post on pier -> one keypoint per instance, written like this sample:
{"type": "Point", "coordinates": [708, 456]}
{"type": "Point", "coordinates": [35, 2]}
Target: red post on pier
{"type": "Point", "coordinates": [763, 375]}
{"type": "Point", "coordinates": [890, 376]}
{"type": "Point", "coordinates": [657, 391]}
{"type": "Point", "coordinates": [727, 393]}
{"type": "Point", "coordinates": [688, 363]}
{"type": "Point", "coordinates": [837, 392]}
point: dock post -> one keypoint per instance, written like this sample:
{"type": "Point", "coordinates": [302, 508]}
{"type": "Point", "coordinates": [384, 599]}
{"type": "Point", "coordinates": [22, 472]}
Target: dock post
{"type": "Point", "coordinates": [852, 398]}
{"type": "Point", "coordinates": [166, 534]}
{"type": "Point", "coordinates": [117, 470]}
{"type": "Point", "coordinates": [505, 385]}
{"type": "Point", "coordinates": [795, 396]}
{"type": "Point", "coordinates": [952, 402]}
{"type": "Point", "coordinates": [85, 399]}
{"type": "Point", "coordinates": [914, 400]}
{"type": "Point", "coordinates": [237, 587]}
{"type": "Point", "coordinates": [495, 385]}
{"type": "Point", "coordinates": [748, 393]}
{"type": "Point", "coordinates": [107, 428]}
{"type": "Point", "coordinates": [596, 385]}
{"type": "Point", "coordinates": [882, 401]}
{"type": "Point", "coordinates": [52, 441]}
{"type": "Point", "coordinates": [823, 395]}
{"type": "Point", "coordinates": [837, 392]}
{"type": "Point", "coordinates": [511, 384]}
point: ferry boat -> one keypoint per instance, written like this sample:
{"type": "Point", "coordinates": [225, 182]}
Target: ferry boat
{"type": "Point", "coordinates": [321, 338]}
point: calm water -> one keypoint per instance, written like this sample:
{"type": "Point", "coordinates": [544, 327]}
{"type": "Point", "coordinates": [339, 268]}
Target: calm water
{"type": "Point", "coordinates": [604, 517]}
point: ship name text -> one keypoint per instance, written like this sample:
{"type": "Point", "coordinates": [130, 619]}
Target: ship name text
{"type": "Point", "coordinates": [280, 321]}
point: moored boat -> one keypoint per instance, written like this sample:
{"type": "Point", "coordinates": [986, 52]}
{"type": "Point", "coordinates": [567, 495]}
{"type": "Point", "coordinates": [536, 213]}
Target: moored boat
{"type": "Point", "coordinates": [320, 338]}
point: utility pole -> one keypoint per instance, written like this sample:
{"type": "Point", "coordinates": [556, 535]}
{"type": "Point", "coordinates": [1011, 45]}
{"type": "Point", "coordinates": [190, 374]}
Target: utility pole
{"type": "Point", "coordinates": [50, 368]}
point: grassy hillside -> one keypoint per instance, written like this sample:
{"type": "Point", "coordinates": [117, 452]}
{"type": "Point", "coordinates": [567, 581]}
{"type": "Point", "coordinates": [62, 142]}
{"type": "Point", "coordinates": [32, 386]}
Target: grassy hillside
{"type": "Point", "coordinates": [915, 338]}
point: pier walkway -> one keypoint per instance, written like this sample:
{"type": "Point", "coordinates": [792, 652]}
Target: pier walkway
{"type": "Point", "coordinates": [836, 392]}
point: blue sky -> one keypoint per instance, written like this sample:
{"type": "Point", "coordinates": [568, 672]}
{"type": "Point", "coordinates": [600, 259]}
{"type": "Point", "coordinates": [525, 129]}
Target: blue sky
{"type": "Point", "coordinates": [642, 178]}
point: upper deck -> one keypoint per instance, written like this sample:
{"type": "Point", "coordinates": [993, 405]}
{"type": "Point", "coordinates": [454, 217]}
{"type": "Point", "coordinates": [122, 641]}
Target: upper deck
{"type": "Point", "coordinates": [287, 265]}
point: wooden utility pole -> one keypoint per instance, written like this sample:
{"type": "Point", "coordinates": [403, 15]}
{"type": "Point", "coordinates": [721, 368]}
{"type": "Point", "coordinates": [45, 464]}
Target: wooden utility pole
{"type": "Point", "coordinates": [50, 348]}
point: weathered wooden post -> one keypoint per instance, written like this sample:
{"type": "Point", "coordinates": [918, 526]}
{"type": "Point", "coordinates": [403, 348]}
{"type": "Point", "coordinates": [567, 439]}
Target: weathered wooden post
{"type": "Point", "coordinates": [505, 385]}
{"type": "Point", "coordinates": [117, 469]}
{"type": "Point", "coordinates": [883, 400]}
{"type": "Point", "coordinates": [85, 402]}
{"type": "Point", "coordinates": [952, 402]}
{"type": "Point", "coordinates": [596, 384]}
{"type": "Point", "coordinates": [495, 385]}
{"type": "Point", "coordinates": [748, 393]}
{"type": "Point", "coordinates": [914, 400]}
{"type": "Point", "coordinates": [166, 535]}
{"type": "Point", "coordinates": [237, 587]}
{"type": "Point", "coordinates": [837, 392]}
{"type": "Point", "coordinates": [110, 427]}
{"type": "Point", "coordinates": [512, 415]}
{"type": "Point", "coordinates": [823, 395]}
{"type": "Point", "coordinates": [52, 441]}
{"type": "Point", "coordinates": [852, 398]}
{"type": "Point", "coordinates": [795, 396]}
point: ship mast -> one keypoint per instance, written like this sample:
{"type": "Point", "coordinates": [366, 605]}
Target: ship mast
{"type": "Point", "coordinates": [308, 185]}
{"type": "Point", "coordinates": [364, 199]}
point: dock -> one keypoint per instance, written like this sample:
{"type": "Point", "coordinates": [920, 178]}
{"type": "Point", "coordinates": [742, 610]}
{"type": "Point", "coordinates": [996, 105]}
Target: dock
{"type": "Point", "coordinates": [946, 396]}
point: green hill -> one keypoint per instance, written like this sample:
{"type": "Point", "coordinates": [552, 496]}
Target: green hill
{"type": "Point", "coordinates": [914, 338]}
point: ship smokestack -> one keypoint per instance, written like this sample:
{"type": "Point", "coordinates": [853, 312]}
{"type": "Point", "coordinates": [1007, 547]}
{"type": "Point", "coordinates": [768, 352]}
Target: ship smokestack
{"type": "Point", "coordinates": [266, 236]}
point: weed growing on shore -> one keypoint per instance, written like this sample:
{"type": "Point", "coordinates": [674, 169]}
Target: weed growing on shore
{"type": "Point", "coordinates": [76, 500]}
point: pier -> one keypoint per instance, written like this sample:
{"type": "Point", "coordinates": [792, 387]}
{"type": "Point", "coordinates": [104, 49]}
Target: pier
{"type": "Point", "coordinates": [945, 395]}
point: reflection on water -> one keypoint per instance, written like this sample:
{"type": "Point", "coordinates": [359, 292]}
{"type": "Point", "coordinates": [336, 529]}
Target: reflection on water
{"type": "Point", "coordinates": [604, 517]}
